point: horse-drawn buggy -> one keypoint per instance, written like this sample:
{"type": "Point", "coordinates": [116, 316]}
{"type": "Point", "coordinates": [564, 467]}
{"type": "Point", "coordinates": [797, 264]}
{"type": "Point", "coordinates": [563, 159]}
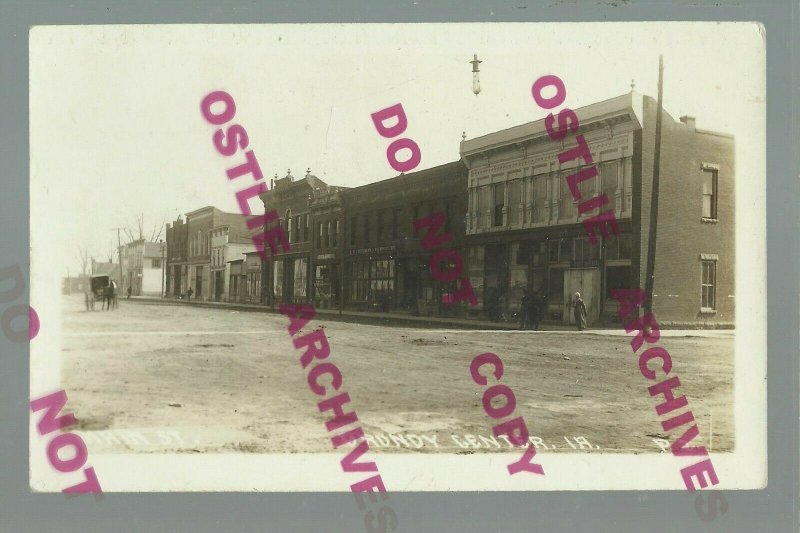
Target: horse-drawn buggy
{"type": "Point", "coordinates": [102, 288]}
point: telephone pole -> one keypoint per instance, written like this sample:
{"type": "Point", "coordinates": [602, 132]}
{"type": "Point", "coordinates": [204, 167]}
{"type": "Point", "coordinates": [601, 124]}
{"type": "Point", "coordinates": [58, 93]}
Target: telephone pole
{"type": "Point", "coordinates": [119, 252]}
{"type": "Point", "coordinates": [651, 241]}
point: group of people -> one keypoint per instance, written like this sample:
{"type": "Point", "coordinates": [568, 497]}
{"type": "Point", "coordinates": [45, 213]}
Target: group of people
{"type": "Point", "coordinates": [532, 309]}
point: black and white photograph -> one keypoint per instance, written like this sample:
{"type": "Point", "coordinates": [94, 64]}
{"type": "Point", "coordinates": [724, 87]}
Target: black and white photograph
{"type": "Point", "coordinates": [462, 257]}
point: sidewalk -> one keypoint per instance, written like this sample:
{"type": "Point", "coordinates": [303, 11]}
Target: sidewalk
{"type": "Point", "coordinates": [426, 322]}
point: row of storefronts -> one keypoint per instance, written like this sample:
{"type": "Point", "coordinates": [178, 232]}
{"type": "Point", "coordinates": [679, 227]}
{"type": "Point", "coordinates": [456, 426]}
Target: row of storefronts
{"type": "Point", "coordinates": [508, 208]}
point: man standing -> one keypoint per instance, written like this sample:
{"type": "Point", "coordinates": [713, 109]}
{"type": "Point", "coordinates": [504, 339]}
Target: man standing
{"type": "Point", "coordinates": [130, 289]}
{"type": "Point", "coordinates": [114, 293]}
{"type": "Point", "coordinates": [580, 312]}
{"type": "Point", "coordinates": [189, 294]}
{"type": "Point", "coordinates": [525, 310]}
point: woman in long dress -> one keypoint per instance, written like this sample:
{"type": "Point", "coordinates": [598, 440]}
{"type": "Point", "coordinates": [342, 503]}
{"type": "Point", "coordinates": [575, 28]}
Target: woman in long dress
{"type": "Point", "coordinates": [580, 312]}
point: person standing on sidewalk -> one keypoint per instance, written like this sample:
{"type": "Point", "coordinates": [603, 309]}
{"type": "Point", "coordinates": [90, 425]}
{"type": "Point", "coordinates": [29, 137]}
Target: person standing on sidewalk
{"type": "Point", "coordinates": [580, 312]}
{"type": "Point", "coordinates": [189, 294]}
{"type": "Point", "coordinates": [525, 310]}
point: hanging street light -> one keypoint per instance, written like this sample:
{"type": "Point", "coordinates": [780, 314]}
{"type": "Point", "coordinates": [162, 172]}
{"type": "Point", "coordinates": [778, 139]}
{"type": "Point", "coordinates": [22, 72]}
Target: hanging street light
{"type": "Point", "coordinates": [476, 82]}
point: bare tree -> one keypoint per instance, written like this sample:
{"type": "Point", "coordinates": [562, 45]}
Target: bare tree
{"type": "Point", "coordinates": [136, 231]}
{"type": "Point", "coordinates": [84, 259]}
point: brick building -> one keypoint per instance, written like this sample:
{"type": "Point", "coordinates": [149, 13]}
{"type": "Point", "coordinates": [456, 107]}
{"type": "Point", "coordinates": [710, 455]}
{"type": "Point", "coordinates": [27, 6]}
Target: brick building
{"type": "Point", "coordinates": [355, 248]}
{"type": "Point", "coordinates": [189, 257]}
{"type": "Point", "coordinates": [227, 243]}
{"type": "Point", "coordinates": [523, 228]}
{"type": "Point", "coordinates": [177, 258]}
{"type": "Point", "coordinates": [513, 220]}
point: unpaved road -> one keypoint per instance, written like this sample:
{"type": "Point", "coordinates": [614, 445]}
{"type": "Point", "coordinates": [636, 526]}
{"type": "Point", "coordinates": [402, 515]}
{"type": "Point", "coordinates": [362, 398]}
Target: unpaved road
{"type": "Point", "coordinates": [154, 378]}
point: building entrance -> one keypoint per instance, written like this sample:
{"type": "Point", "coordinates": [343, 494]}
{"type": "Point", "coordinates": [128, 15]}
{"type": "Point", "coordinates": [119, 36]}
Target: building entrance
{"type": "Point", "coordinates": [587, 282]}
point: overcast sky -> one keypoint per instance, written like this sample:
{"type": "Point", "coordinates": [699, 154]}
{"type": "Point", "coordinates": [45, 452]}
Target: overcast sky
{"type": "Point", "coordinates": [116, 128]}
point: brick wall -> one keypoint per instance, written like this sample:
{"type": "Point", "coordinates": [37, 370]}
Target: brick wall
{"type": "Point", "coordinates": [683, 235]}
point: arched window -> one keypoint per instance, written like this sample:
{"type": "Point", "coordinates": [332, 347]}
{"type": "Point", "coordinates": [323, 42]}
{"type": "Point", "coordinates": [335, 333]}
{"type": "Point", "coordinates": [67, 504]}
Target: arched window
{"type": "Point", "coordinates": [288, 225]}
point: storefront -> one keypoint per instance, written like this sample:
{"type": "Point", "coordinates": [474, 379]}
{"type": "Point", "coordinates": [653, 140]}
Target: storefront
{"type": "Point", "coordinates": [327, 281]}
{"type": "Point", "coordinates": [252, 267]}
{"type": "Point", "coordinates": [370, 278]}
{"type": "Point", "coordinates": [290, 280]}
{"type": "Point", "coordinates": [237, 281]}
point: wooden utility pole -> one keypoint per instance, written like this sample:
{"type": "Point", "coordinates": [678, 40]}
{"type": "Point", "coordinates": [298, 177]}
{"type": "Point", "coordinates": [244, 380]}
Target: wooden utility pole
{"type": "Point", "coordinates": [119, 251]}
{"type": "Point", "coordinates": [651, 241]}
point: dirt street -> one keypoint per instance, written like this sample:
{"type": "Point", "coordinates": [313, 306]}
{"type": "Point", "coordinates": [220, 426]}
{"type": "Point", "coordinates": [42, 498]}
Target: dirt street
{"type": "Point", "coordinates": [155, 378]}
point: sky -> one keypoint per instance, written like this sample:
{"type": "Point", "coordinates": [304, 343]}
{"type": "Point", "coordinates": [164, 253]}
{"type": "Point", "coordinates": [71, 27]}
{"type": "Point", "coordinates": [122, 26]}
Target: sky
{"type": "Point", "coordinates": [116, 128]}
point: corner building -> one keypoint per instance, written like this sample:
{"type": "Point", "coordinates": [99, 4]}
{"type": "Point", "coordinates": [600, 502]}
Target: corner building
{"type": "Point", "coordinates": [523, 228]}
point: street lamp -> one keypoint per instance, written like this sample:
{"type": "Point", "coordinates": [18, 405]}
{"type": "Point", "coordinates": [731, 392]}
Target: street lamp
{"type": "Point", "coordinates": [476, 82]}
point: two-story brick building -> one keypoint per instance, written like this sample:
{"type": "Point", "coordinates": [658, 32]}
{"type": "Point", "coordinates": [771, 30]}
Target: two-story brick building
{"type": "Point", "coordinates": [177, 258]}
{"type": "Point", "coordinates": [189, 262]}
{"type": "Point", "coordinates": [355, 248]}
{"type": "Point", "coordinates": [523, 228]}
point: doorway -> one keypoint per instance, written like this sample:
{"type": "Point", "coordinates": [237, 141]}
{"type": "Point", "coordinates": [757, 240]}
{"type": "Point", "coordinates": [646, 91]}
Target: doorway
{"type": "Point", "coordinates": [587, 282]}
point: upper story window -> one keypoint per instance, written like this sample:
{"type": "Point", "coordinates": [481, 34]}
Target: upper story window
{"type": "Point", "coordinates": [540, 198]}
{"type": "Point", "coordinates": [499, 203]}
{"type": "Point", "coordinates": [306, 227]}
{"type": "Point", "coordinates": [289, 225]}
{"type": "Point", "coordinates": [366, 227]}
{"type": "Point", "coordinates": [618, 247]}
{"type": "Point", "coordinates": [395, 223]}
{"type": "Point", "coordinates": [380, 226]}
{"type": "Point", "coordinates": [709, 192]}
{"type": "Point", "coordinates": [298, 234]}
{"type": "Point", "coordinates": [335, 233]}
{"type": "Point", "coordinates": [608, 175]}
{"type": "Point", "coordinates": [328, 234]}
{"type": "Point", "coordinates": [353, 229]}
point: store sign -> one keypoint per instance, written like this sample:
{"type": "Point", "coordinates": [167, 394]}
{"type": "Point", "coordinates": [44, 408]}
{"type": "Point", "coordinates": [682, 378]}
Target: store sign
{"type": "Point", "coordinates": [326, 256]}
{"type": "Point", "coordinates": [376, 250]}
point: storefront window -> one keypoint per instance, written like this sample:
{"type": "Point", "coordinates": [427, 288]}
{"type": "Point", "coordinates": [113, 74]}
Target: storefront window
{"type": "Point", "coordinates": [617, 277]}
{"type": "Point", "coordinates": [360, 281]}
{"type": "Point", "coordinates": [555, 291]}
{"type": "Point", "coordinates": [323, 286]}
{"type": "Point", "coordinates": [382, 282]}
{"type": "Point", "coordinates": [277, 279]}
{"type": "Point", "coordinates": [300, 278]}
{"type": "Point", "coordinates": [519, 278]}
{"type": "Point", "coordinates": [475, 268]}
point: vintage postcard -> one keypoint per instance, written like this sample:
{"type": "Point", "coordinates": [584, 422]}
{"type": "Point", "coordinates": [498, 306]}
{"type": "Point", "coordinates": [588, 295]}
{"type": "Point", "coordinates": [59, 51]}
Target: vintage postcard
{"type": "Point", "coordinates": [398, 257]}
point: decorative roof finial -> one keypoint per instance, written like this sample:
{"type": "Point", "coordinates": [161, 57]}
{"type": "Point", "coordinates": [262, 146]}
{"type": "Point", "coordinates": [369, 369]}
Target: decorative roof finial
{"type": "Point", "coordinates": [308, 171]}
{"type": "Point", "coordinates": [633, 84]}
{"type": "Point", "coordinates": [463, 135]}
